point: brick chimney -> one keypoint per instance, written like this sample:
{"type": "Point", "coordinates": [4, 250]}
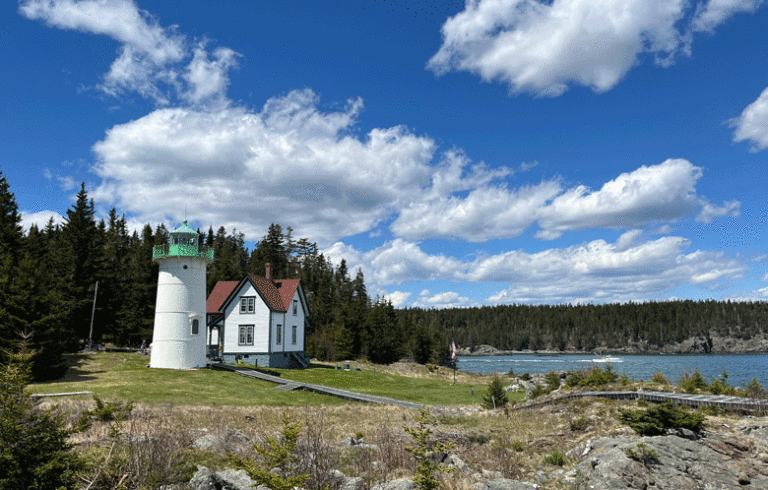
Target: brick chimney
{"type": "Point", "coordinates": [268, 275]}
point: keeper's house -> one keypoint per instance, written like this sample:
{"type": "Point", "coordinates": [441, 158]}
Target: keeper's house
{"type": "Point", "coordinates": [258, 321]}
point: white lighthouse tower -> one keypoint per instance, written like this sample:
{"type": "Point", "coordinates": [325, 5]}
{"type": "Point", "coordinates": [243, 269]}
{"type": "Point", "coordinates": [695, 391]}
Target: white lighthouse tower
{"type": "Point", "coordinates": [178, 341]}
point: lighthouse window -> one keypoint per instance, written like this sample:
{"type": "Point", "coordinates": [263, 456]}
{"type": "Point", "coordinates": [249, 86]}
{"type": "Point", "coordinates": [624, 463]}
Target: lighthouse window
{"type": "Point", "coordinates": [247, 304]}
{"type": "Point", "coordinates": [246, 335]}
{"type": "Point", "coordinates": [295, 307]}
{"type": "Point", "coordinates": [279, 338]}
{"type": "Point", "coordinates": [195, 326]}
{"type": "Point", "coordinates": [293, 335]}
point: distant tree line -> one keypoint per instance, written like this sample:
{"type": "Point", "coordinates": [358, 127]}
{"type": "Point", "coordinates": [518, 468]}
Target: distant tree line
{"type": "Point", "coordinates": [48, 277]}
{"type": "Point", "coordinates": [589, 326]}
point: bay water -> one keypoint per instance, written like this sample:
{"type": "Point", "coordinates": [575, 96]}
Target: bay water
{"type": "Point", "coordinates": [741, 368]}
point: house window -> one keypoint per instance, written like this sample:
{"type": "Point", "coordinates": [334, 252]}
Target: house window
{"type": "Point", "coordinates": [195, 326]}
{"type": "Point", "coordinates": [246, 335]}
{"type": "Point", "coordinates": [295, 307]}
{"type": "Point", "coordinates": [279, 337]}
{"type": "Point", "coordinates": [293, 334]}
{"type": "Point", "coordinates": [247, 304]}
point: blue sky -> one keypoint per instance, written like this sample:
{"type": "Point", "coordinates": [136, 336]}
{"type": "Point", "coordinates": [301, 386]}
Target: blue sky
{"type": "Point", "coordinates": [461, 154]}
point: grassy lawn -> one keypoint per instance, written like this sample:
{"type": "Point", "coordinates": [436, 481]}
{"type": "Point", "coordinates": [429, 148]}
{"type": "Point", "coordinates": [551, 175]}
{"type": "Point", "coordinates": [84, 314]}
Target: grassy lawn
{"type": "Point", "coordinates": [125, 376]}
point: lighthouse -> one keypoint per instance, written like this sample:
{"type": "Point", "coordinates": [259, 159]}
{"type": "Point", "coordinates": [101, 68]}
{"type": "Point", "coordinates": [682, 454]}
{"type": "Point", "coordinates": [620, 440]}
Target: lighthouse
{"type": "Point", "coordinates": [178, 340]}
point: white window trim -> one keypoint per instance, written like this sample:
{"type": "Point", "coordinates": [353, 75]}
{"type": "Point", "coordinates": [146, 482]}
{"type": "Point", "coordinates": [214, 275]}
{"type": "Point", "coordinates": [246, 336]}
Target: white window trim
{"type": "Point", "coordinates": [244, 339]}
{"type": "Point", "coordinates": [247, 305]}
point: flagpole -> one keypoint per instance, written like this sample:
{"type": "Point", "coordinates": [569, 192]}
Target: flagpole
{"type": "Point", "coordinates": [453, 358]}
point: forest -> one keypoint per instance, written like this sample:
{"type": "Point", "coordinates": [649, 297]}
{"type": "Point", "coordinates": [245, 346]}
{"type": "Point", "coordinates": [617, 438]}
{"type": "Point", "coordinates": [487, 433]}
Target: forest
{"type": "Point", "coordinates": [48, 278]}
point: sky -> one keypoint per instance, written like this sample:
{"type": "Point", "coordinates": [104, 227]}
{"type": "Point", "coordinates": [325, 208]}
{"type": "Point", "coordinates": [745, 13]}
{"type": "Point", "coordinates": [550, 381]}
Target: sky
{"type": "Point", "coordinates": [459, 154]}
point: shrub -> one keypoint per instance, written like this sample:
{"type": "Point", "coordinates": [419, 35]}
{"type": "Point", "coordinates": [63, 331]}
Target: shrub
{"type": "Point", "coordinates": [655, 421]}
{"type": "Point", "coordinates": [525, 377]}
{"type": "Point", "coordinates": [34, 453]}
{"type": "Point", "coordinates": [579, 424]}
{"type": "Point", "coordinates": [593, 377]}
{"type": "Point", "coordinates": [555, 458]}
{"type": "Point", "coordinates": [755, 390]}
{"type": "Point", "coordinates": [496, 395]}
{"type": "Point", "coordinates": [511, 373]}
{"type": "Point", "coordinates": [692, 383]}
{"type": "Point", "coordinates": [553, 380]}
{"type": "Point", "coordinates": [537, 391]}
{"type": "Point", "coordinates": [643, 455]}
{"type": "Point", "coordinates": [659, 378]}
{"type": "Point", "coordinates": [108, 412]}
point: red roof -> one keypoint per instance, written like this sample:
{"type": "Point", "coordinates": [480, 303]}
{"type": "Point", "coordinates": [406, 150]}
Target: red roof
{"type": "Point", "coordinates": [268, 291]}
{"type": "Point", "coordinates": [277, 295]}
{"type": "Point", "coordinates": [220, 293]}
{"type": "Point", "coordinates": [287, 288]}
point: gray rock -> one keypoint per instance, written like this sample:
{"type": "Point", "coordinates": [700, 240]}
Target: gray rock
{"type": "Point", "coordinates": [716, 462]}
{"type": "Point", "coordinates": [504, 484]}
{"type": "Point", "coordinates": [206, 479]}
{"type": "Point", "coordinates": [453, 461]}
{"type": "Point", "coordinates": [231, 441]}
{"type": "Point", "coordinates": [344, 482]}
{"type": "Point", "coordinates": [399, 484]}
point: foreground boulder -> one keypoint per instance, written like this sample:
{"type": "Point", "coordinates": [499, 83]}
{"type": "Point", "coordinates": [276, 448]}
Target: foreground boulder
{"type": "Point", "coordinates": [504, 484]}
{"type": "Point", "coordinates": [671, 462]}
{"type": "Point", "coordinates": [206, 479]}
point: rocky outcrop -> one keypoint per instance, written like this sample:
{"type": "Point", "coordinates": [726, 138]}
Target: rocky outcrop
{"type": "Point", "coordinates": [206, 479]}
{"type": "Point", "coordinates": [504, 484]}
{"type": "Point", "coordinates": [230, 441]}
{"type": "Point", "coordinates": [708, 460]}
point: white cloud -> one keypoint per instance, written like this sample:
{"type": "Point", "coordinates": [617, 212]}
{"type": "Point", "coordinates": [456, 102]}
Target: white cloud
{"type": "Point", "coordinates": [151, 60]}
{"type": "Point", "coordinates": [715, 12]}
{"type": "Point", "coordinates": [40, 219]}
{"type": "Point", "coordinates": [651, 194]}
{"type": "Point", "coordinates": [448, 299]}
{"type": "Point", "coordinates": [397, 298]}
{"type": "Point", "coordinates": [399, 261]}
{"type": "Point", "coordinates": [544, 47]}
{"type": "Point", "coordinates": [541, 48]}
{"type": "Point", "coordinates": [710, 212]}
{"type": "Point", "coordinates": [597, 271]}
{"type": "Point", "coordinates": [290, 163]}
{"type": "Point", "coordinates": [208, 79]}
{"type": "Point", "coordinates": [752, 124]}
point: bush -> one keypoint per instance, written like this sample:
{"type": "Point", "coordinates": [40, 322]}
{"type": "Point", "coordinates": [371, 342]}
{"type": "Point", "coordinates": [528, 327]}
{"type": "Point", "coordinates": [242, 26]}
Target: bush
{"type": "Point", "coordinates": [555, 458]}
{"type": "Point", "coordinates": [580, 424]}
{"type": "Point", "coordinates": [659, 378]}
{"type": "Point", "coordinates": [34, 453]}
{"type": "Point", "coordinates": [553, 380]}
{"type": "Point", "coordinates": [595, 376]}
{"type": "Point", "coordinates": [655, 421]}
{"type": "Point", "coordinates": [755, 390]}
{"type": "Point", "coordinates": [692, 383]}
{"type": "Point", "coordinates": [496, 396]}
{"type": "Point", "coordinates": [525, 377]}
{"type": "Point", "coordinates": [643, 455]}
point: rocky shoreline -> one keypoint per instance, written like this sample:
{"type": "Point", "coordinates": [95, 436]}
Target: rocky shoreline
{"type": "Point", "coordinates": [694, 345]}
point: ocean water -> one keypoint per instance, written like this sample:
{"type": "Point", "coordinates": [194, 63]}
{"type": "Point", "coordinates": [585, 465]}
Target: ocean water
{"type": "Point", "coordinates": [741, 368]}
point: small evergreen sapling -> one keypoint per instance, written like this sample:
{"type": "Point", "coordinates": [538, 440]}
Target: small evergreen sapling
{"type": "Point", "coordinates": [423, 451]}
{"type": "Point", "coordinates": [496, 396]}
{"type": "Point", "coordinates": [276, 454]}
